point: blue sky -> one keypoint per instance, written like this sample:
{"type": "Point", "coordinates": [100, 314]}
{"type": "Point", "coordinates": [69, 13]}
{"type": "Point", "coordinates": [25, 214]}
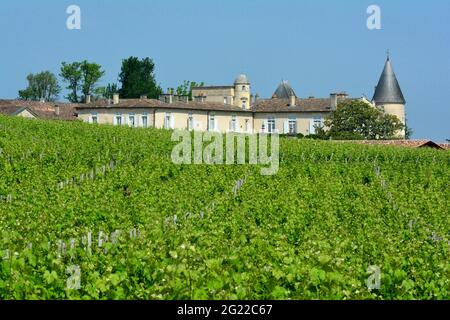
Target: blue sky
{"type": "Point", "coordinates": [320, 46]}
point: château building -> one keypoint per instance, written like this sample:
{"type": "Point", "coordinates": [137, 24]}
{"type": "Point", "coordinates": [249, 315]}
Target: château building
{"type": "Point", "coordinates": [234, 108]}
{"type": "Point", "coordinates": [228, 108]}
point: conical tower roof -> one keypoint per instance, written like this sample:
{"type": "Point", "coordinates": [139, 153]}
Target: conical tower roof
{"type": "Point", "coordinates": [388, 90]}
{"type": "Point", "coordinates": [284, 91]}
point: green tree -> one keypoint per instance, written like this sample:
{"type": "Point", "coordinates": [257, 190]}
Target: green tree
{"type": "Point", "coordinates": [106, 92]}
{"type": "Point", "coordinates": [82, 78]}
{"type": "Point", "coordinates": [186, 88]}
{"type": "Point", "coordinates": [137, 78]}
{"type": "Point", "coordinates": [358, 120]}
{"type": "Point", "coordinates": [41, 86]}
{"type": "Point", "coordinates": [71, 74]}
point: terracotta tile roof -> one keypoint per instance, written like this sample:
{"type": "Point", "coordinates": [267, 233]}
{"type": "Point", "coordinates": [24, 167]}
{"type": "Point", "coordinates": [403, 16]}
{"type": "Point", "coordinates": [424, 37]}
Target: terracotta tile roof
{"type": "Point", "coordinates": [9, 110]}
{"type": "Point", "coordinates": [153, 103]}
{"type": "Point", "coordinates": [213, 87]}
{"type": "Point", "coordinates": [401, 143]}
{"type": "Point", "coordinates": [123, 103]}
{"type": "Point", "coordinates": [42, 110]}
{"type": "Point", "coordinates": [301, 105]}
{"type": "Point", "coordinates": [269, 105]}
{"type": "Point", "coordinates": [445, 146]}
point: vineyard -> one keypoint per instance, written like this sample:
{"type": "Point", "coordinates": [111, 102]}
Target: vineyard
{"type": "Point", "coordinates": [101, 212]}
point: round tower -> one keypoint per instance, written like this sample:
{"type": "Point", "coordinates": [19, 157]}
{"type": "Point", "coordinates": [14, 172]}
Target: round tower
{"type": "Point", "coordinates": [242, 92]}
{"type": "Point", "coordinates": [388, 95]}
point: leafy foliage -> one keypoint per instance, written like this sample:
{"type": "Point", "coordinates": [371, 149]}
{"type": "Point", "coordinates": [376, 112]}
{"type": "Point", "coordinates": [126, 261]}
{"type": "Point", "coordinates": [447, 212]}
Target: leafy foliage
{"type": "Point", "coordinates": [356, 120]}
{"type": "Point", "coordinates": [41, 86]}
{"type": "Point", "coordinates": [137, 78]}
{"type": "Point", "coordinates": [210, 231]}
{"type": "Point", "coordinates": [82, 78]}
{"type": "Point", "coordinates": [106, 92]}
{"type": "Point", "coordinates": [186, 88]}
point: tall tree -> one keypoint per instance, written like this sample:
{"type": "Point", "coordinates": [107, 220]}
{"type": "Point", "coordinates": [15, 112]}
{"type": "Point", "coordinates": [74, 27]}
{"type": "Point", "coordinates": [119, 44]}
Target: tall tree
{"type": "Point", "coordinates": [358, 120]}
{"type": "Point", "coordinates": [71, 74]}
{"type": "Point", "coordinates": [137, 78]}
{"type": "Point", "coordinates": [41, 86]}
{"type": "Point", "coordinates": [91, 74]}
{"type": "Point", "coordinates": [82, 78]}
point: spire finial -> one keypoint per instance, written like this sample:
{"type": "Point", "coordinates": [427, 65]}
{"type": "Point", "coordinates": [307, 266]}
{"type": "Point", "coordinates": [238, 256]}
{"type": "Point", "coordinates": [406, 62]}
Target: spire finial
{"type": "Point", "coordinates": [388, 54]}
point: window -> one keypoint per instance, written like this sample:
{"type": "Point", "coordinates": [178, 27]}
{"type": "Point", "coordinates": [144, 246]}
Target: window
{"type": "Point", "coordinates": [292, 126]}
{"type": "Point", "coordinates": [271, 125]}
{"type": "Point", "coordinates": [244, 104]}
{"type": "Point", "coordinates": [168, 121]}
{"type": "Point", "coordinates": [190, 121]}
{"type": "Point", "coordinates": [315, 123]}
{"type": "Point", "coordinates": [118, 119]}
{"type": "Point", "coordinates": [131, 120]}
{"type": "Point", "coordinates": [318, 122]}
{"type": "Point", "coordinates": [244, 88]}
{"type": "Point", "coordinates": [247, 127]}
{"type": "Point", "coordinates": [145, 120]}
{"type": "Point", "coordinates": [233, 124]}
{"type": "Point", "coordinates": [225, 100]}
{"type": "Point", "coordinates": [212, 122]}
{"type": "Point", "coordinates": [94, 118]}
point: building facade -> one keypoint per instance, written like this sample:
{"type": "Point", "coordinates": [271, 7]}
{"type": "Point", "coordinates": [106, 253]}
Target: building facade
{"type": "Point", "coordinates": [235, 109]}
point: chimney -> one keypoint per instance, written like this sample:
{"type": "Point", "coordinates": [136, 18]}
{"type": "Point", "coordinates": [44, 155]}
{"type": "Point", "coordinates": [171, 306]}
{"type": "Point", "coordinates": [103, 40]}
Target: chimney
{"type": "Point", "coordinates": [170, 95]}
{"type": "Point", "coordinates": [88, 99]}
{"type": "Point", "coordinates": [292, 100]}
{"type": "Point", "coordinates": [115, 98]}
{"type": "Point", "coordinates": [57, 110]}
{"type": "Point", "coordinates": [143, 97]}
{"type": "Point", "coordinates": [334, 101]}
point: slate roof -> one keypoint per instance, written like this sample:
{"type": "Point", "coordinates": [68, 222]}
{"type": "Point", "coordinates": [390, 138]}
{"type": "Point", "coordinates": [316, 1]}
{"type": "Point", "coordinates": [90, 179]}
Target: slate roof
{"type": "Point", "coordinates": [284, 91]}
{"type": "Point", "coordinates": [388, 90]}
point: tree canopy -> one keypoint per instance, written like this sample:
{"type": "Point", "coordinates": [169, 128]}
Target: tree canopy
{"type": "Point", "coordinates": [82, 78]}
{"type": "Point", "coordinates": [137, 78]}
{"type": "Point", "coordinates": [106, 92]}
{"type": "Point", "coordinates": [185, 89]}
{"type": "Point", "coordinates": [358, 120]}
{"type": "Point", "coordinates": [41, 86]}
